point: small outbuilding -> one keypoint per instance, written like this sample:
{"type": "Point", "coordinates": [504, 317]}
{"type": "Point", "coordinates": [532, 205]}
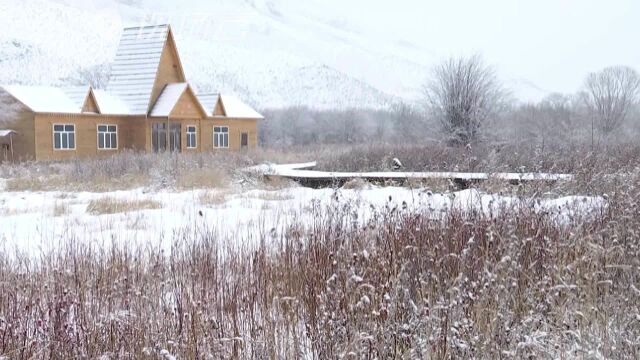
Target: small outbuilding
{"type": "Point", "coordinates": [6, 145]}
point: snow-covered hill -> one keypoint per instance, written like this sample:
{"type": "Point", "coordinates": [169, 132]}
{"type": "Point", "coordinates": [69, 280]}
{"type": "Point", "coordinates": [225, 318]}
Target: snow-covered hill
{"type": "Point", "coordinates": [266, 52]}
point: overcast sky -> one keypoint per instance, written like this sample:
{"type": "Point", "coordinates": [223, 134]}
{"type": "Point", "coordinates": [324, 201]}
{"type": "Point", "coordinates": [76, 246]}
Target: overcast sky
{"type": "Point", "coordinates": [552, 43]}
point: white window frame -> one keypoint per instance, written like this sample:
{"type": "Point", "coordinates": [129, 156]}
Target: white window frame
{"type": "Point", "coordinates": [220, 135]}
{"type": "Point", "coordinates": [195, 136]}
{"type": "Point", "coordinates": [107, 132]}
{"type": "Point", "coordinates": [63, 132]}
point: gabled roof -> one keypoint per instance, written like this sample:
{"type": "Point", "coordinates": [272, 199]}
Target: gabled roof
{"type": "Point", "coordinates": [169, 98]}
{"type": "Point", "coordinates": [77, 94]}
{"type": "Point", "coordinates": [43, 99]}
{"type": "Point", "coordinates": [4, 133]}
{"type": "Point", "coordinates": [110, 104]}
{"type": "Point", "coordinates": [209, 102]}
{"type": "Point", "coordinates": [232, 106]}
{"type": "Point", "coordinates": [134, 71]}
{"type": "Point", "coordinates": [236, 109]}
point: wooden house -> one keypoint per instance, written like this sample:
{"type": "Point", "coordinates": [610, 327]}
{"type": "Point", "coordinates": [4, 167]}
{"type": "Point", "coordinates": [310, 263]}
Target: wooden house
{"type": "Point", "coordinates": [148, 105]}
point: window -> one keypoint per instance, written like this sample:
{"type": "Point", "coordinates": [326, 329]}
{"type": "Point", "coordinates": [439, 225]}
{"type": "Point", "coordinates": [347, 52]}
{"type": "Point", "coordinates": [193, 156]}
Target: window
{"type": "Point", "coordinates": [175, 142]}
{"type": "Point", "coordinates": [64, 137]}
{"type": "Point", "coordinates": [159, 137]}
{"type": "Point", "coordinates": [107, 137]}
{"type": "Point", "coordinates": [244, 140]}
{"type": "Point", "coordinates": [191, 137]}
{"type": "Point", "coordinates": [220, 136]}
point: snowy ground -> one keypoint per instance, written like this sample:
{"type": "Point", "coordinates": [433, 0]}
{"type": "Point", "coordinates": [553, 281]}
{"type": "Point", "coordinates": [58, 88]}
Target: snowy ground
{"type": "Point", "coordinates": [30, 223]}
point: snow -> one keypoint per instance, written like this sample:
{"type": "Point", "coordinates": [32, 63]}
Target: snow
{"type": "Point", "coordinates": [209, 101]}
{"type": "Point", "coordinates": [234, 108]}
{"type": "Point", "coordinates": [44, 99]}
{"type": "Point", "coordinates": [243, 219]}
{"type": "Point", "coordinates": [298, 172]}
{"type": "Point", "coordinates": [110, 104]}
{"type": "Point", "coordinates": [4, 133]}
{"type": "Point", "coordinates": [228, 48]}
{"type": "Point", "coordinates": [77, 94]}
{"type": "Point", "coordinates": [168, 99]}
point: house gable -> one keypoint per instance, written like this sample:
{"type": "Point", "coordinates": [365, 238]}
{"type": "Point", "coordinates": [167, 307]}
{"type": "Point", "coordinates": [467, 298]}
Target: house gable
{"type": "Point", "coordinates": [170, 69]}
{"type": "Point", "coordinates": [219, 109]}
{"type": "Point", "coordinates": [90, 104]}
{"type": "Point", "coordinates": [188, 106]}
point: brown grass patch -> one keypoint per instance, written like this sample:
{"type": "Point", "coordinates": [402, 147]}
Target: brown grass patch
{"type": "Point", "coordinates": [214, 197]}
{"type": "Point", "coordinates": [205, 178]}
{"type": "Point", "coordinates": [33, 183]}
{"type": "Point", "coordinates": [110, 205]}
{"type": "Point", "coordinates": [61, 209]}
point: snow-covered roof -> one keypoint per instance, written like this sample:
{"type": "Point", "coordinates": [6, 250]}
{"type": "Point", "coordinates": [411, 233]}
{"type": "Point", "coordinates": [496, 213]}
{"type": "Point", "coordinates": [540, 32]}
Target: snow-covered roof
{"type": "Point", "coordinates": [233, 107]}
{"type": "Point", "coordinates": [110, 104]}
{"type": "Point", "coordinates": [43, 99]}
{"type": "Point", "coordinates": [168, 99]}
{"type": "Point", "coordinates": [209, 102]}
{"type": "Point", "coordinates": [137, 60]}
{"type": "Point", "coordinates": [4, 133]}
{"type": "Point", "coordinates": [77, 94]}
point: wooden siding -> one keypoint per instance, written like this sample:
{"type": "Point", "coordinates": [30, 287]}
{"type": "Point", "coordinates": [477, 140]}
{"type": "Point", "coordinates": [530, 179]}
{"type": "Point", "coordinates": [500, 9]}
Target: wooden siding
{"type": "Point", "coordinates": [236, 128]}
{"type": "Point", "coordinates": [22, 121]}
{"type": "Point", "coordinates": [169, 70]}
{"type": "Point", "coordinates": [219, 109]}
{"type": "Point", "coordinates": [90, 104]}
{"type": "Point", "coordinates": [187, 107]}
{"type": "Point", "coordinates": [86, 135]}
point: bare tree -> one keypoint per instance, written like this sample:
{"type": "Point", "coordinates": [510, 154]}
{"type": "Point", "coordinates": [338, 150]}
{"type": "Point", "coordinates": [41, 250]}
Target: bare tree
{"type": "Point", "coordinates": [463, 94]}
{"type": "Point", "coordinates": [97, 76]}
{"type": "Point", "coordinates": [610, 94]}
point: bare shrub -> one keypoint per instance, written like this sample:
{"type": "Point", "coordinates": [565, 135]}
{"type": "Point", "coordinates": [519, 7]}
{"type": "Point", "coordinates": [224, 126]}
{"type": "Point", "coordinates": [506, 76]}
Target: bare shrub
{"type": "Point", "coordinates": [610, 94]}
{"type": "Point", "coordinates": [463, 94]}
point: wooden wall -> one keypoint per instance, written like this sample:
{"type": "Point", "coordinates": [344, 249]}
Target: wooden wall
{"type": "Point", "coordinates": [236, 128]}
{"type": "Point", "coordinates": [20, 119]}
{"type": "Point", "coordinates": [187, 107]}
{"type": "Point", "coordinates": [133, 133]}
{"type": "Point", "coordinates": [86, 134]}
{"type": "Point", "coordinates": [169, 70]}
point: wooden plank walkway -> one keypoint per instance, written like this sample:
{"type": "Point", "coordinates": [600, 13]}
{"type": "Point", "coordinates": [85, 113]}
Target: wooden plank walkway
{"type": "Point", "coordinates": [313, 178]}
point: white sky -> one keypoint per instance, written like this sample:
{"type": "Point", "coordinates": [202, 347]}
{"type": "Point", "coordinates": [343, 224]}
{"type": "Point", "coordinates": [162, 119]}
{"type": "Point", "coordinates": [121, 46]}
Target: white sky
{"type": "Point", "coordinates": [552, 43]}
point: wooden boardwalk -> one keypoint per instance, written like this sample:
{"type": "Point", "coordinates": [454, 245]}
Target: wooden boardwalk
{"type": "Point", "coordinates": [301, 174]}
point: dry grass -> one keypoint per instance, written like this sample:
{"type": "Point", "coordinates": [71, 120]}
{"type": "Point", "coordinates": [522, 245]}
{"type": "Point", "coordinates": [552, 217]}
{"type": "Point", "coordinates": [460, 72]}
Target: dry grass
{"type": "Point", "coordinates": [111, 205]}
{"type": "Point", "coordinates": [214, 197]}
{"type": "Point", "coordinates": [203, 179]}
{"type": "Point", "coordinates": [519, 284]}
{"type": "Point", "coordinates": [60, 208]}
{"type": "Point", "coordinates": [356, 184]}
{"type": "Point", "coordinates": [128, 170]}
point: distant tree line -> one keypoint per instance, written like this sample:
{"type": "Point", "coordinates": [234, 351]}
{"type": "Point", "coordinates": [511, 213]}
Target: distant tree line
{"type": "Point", "coordinates": [465, 103]}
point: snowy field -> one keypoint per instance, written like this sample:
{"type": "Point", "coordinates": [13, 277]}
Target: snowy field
{"type": "Point", "coordinates": [35, 222]}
